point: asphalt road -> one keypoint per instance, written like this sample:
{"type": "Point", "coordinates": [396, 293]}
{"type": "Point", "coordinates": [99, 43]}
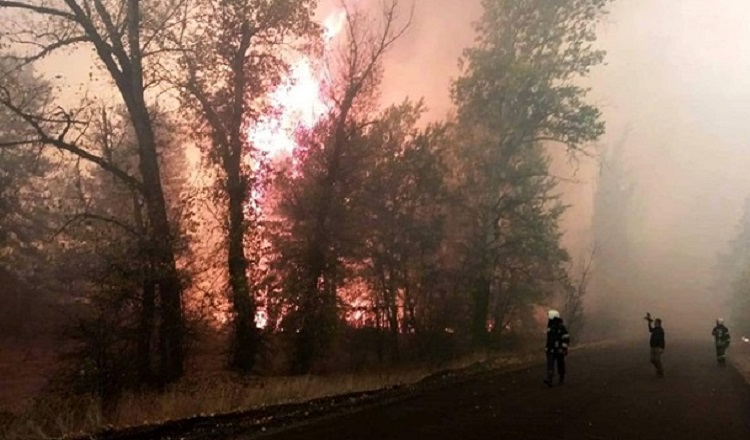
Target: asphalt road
{"type": "Point", "coordinates": [610, 393]}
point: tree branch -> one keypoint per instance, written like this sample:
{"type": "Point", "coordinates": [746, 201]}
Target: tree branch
{"type": "Point", "coordinates": [48, 49]}
{"type": "Point", "coordinates": [211, 115]}
{"type": "Point", "coordinates": [38, 9]}
{"type": "Point", "coordinates": [10, 144]}
{"type": "Point", "coordinates": [113, 221]}
{"type": "Point", "coordinates": [60, 143]}
{"type": "Point", "coordinates": [115, 35]}
{"type": "Point", "coordinates": [105, 51]}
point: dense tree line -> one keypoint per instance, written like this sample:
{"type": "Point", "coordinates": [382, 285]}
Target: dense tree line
{"type": "Point", "coordinates": [420, 235]}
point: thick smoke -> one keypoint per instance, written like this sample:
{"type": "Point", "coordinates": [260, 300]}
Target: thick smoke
{"type": "Point", "coordinates": [676, 98]}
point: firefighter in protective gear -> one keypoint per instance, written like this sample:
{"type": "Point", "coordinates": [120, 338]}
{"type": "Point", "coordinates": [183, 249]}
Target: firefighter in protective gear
{"type": "Point", "coordinates": [656, 342]}
{"type": "Point", "coordinates": [722, 339]}
{"type": "Point", "coordinates": [558, 340]}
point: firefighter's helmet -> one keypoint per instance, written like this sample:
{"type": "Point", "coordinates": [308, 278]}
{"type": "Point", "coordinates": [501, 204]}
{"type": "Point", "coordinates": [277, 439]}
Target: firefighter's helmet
{"type": "Point", "coordinates": [720, 321]}
{"type": "Point", "coordinates": [552, 314]}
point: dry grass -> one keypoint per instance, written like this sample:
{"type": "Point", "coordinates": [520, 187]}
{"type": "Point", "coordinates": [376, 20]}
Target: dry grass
{"type": "Point", "coordinates": [210, 391]}
{"type": "Point", "coordinates": [219, 393]}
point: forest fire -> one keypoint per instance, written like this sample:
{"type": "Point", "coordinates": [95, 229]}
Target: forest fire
{"type": "Point", "coordinates": [335, 232]}
{"type": "Point", "coordinates": [299, 102]}
{"type": "Point", "coordinates": [301, 99]}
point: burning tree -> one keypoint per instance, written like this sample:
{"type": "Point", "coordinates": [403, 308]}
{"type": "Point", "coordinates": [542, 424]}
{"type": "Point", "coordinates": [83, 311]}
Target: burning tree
{"type": "Point", "coordinates": [317, 205]}
{"type": "Point", "coordinates": [404, 199]}
{"type": "Point", "coordinates": [231, 54]}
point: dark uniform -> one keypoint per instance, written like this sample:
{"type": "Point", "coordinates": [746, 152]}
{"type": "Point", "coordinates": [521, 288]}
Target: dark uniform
{"type": "Point", "coordinates": [558, 340]}
{"type": "Point", "coordinates": [722, 339]}
{"type": "Point", "coordinates": [657, 344]}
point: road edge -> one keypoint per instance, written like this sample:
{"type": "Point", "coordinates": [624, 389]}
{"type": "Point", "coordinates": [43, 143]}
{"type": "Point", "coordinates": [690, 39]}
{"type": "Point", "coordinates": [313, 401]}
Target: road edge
{"type": "Point", "coordinates": [265, 421]}
{"type": "Point", "coordinates": [741, 363]}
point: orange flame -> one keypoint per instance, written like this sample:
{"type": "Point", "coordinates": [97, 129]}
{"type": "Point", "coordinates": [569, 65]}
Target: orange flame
{"type": "Point", "coordinates": [300, 99]}
{"type": "Point", "coordinates": [300, 102]}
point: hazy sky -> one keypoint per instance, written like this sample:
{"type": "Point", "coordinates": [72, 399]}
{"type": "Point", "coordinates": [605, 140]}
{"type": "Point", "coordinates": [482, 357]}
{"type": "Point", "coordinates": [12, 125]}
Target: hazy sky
{"type": "Point", "coordinates": [678, 76]}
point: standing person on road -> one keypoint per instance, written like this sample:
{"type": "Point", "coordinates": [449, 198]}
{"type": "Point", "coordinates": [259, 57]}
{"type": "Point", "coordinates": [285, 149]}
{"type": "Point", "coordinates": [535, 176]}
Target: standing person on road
{"type": "Point", "coordinates": [722, 339]}
{"type": "Point", "coordinates": [558, 340]}
{"type": "Point", "coordinates": [656, 343]}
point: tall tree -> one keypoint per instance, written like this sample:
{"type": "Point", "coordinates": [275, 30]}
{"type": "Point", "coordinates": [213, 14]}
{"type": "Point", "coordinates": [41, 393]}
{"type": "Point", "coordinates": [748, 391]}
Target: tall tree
{"type": "Point", "coordinates": [115, 32]}
{"type": "Point", "coordinates": [403, 198]}
{"type": "Point", "coordinates": [25, 216]}
{"type": "Point", "coordinates": [107, 258]}
{"type": "Point", "coordinates": [317, 204]}
{"type": "Point", "coordinates": [234, 54]}
{"type": "Point", "coordinates": [518, 92]}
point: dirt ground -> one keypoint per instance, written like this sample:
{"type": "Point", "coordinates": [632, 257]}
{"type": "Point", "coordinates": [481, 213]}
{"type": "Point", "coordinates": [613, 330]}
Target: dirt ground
{"type": "Point", "coordinates": [37, 364]}
{"type": "Point", "coordinates": [611, 393]}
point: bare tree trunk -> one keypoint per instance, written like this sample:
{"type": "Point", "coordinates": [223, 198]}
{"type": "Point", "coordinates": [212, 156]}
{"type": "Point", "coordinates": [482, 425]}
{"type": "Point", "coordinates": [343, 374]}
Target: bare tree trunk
{"type": "Point", "coordinates": [311, 339]}
{"type": "Point", "coordinates": [410, 318]}
{"type": "Point", "coordinates": [246, 334]}
{"type": "Point", "coordinates": [145, 329]}
{"type": "Point", "coordinates": [165, 275]}
{"type": "Point", "coordinates": [147, 316]}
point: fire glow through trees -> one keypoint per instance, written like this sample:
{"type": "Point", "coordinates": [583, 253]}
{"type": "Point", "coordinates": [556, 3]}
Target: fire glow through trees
{"type": "Point", "coordinates": [301, 100]}
{"type": "Point", "coordinates": [239, 166]}
{"type": "Point", "coordinates": [299, 103]}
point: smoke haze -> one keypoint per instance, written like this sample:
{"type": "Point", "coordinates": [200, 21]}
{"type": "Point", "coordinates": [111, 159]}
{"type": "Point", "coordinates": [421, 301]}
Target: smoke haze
{"type": "Point", "coordinates": [675, 92]}
{"type": "Point", "coordinates": [677, 83]}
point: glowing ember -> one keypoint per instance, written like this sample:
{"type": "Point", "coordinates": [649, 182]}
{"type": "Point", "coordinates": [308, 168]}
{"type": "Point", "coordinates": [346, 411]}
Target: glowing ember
{"type": "Point", "coordinates": [261, 319]}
